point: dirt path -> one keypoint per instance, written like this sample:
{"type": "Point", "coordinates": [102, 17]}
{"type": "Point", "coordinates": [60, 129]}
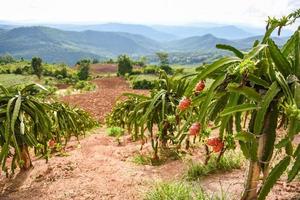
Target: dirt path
{"type": "Point", "coordinates": [99, 169]}
{"type": "Point", "coordinates": [101, 101]}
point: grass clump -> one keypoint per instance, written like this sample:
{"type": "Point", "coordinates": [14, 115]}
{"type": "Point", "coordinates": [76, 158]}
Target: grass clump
{"type": "Point", "coordinates": [229, 161]}
{"type": "Point", "coordinates": [142, 159]}
{"type": "Point", "coordinates": [180, 191]}
{"type": "Point", "coordinates": [116, 132]}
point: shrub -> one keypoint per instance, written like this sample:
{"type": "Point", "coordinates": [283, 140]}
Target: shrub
{"type": "Point", "coordinates": [143, 84]}
{"type": "Point", "coordinates": [36, 64]}
{"type": "Point", "coordinates": [124, 65]}
{"type": "Point", "coordinates": [84, 69]}
{"type": "Point", "coordinates": [151, 69]}
{"type": "Point", "coordinates": [18, 71]}
{"type": "Point", "coordinates": [85, 86]}
{"type": "Point", "coordinates": [6, 59]}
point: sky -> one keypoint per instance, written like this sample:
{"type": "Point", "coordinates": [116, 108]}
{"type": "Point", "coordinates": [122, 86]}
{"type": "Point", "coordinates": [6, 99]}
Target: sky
{"type": "Point", "coordinates": [170, 12]}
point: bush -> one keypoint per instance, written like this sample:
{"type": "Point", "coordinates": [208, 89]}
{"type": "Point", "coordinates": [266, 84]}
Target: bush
{"type": "Point", "coordinates": [136, 72]}
{"type": "Point", "coordinates": [18, 71]}
{"type": "Point", "coordinates": [6, 59]}
{"type": "Point", "coordinates": [36, 64]}
{"type": "Point", "coordinates": [143, 84]}
{"type": "Point", "coordinates": [124, 65]}
{"type": "Point", "coordinates": [85, 86]}
{"type": "Point", "coordinates": [84, 69]}
{"type": "Point", "coordinates": [151, 69]}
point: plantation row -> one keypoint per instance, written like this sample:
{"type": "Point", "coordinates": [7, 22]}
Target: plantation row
{"type": "Point", "coordinates": [248, 97]}
{"type": "Point", "coordinates": [30, 119]}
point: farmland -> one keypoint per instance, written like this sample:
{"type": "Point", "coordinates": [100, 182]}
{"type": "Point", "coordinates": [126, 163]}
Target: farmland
{"type": "Point", "coordinates": [99, 168]}
{"type": "Point", "coordinates": [130, 128]}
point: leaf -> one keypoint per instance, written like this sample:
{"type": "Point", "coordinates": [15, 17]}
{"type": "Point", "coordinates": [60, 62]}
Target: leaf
{"type": "Point", "coordinates": [239, 108]}
{"type": "Point", "coordinates": [258, 81]}
{"type": "Point", "coordinates": [274, 175]}
{"type": "Point", "coordinates": [282, 143]}
{"type": "Point", "coordinates": [255, 51]}
{"type": "Point", "coordinates": [285, 87]}
{"type": "Point", "coordinates": [208, 70]}
{"type": "Point", "coordinates": [297, 54]}
{"type": "Point", "coordinates": [209, 97]}
{"type": "Point", "coordinates": [295, 169]}
{"type": "Point", "coordinates": [237, 52]}
{"type": "Point", "coordinates": [281, 63]}
{"type": "Point", "coordinates": [249, 92]}
{"type": "Point", "coordinates": [297, 94]}
{"type": "Point", "coordinates": [264, 105]}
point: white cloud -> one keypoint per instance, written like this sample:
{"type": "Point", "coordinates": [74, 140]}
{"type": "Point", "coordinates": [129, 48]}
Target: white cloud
{"type": "Point", "coordinates": [146, 11]}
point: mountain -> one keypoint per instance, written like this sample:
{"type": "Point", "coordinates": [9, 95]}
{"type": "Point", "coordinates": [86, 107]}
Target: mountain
{"type": "Point", "coordinates": [227, 32]}
{"type": "Point", "coordinates": [55, 45]}
{"type": "Point", "coordinates": [144, 30]}
{"type": "Point", "coordinates": [248, 42]}
{"type": "Point", "coordinates": [198, 43]}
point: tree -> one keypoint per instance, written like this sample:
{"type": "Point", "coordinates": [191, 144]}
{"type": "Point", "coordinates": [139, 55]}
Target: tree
{"type": "Point", "coordinates": [142, 61]}
{"type": "Point", "coordinates": [95, 61]}
{"type": "Point", "coordinates": [36, 64]}
{"type": "Point", "coordinates": [84, 69]}
{"type": "Point", "coordinates": [5, 59]}
{"type": "Point", "coordinates": [164, 61]}
{"type": "Point", "coordinates": [124, 65]}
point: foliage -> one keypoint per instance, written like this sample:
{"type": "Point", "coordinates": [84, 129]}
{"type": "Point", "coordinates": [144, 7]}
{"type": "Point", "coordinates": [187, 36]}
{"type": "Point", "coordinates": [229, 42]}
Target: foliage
{"type": "Point", "coordinates": [231, 160]}
{"type": "Point", "coordinates": [85, 86]}
{"type": "Point", "coordinates": [36, 64]}
{"type": "Point", "coordinates": [6, 59]}
{"type": "Point", "coordinates": [181, 191]}
{"type": "Point", "coordinates": [143, 84]}
{"type": "Point", "coordinates": [260, 85]}
{"type": "Point", "coordinates": [164, 62]}
{"type": "Point", "coordinates": [142, 159]}
{"type": "Point", "coordinates": [151, 69]}
{"type": "Point", "coordinates": [84, 69]}
{"type": "Point", "coordinates": [28, 120]}
{"type": "Point", "coordinates": [140, 113]}
{"type": "Point", "coordinates": [124, 65]}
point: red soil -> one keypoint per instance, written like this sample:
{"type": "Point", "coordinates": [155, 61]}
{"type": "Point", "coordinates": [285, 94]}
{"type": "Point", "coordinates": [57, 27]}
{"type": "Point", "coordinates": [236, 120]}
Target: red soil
{"type": "Point", "coordinates": [100, 102]}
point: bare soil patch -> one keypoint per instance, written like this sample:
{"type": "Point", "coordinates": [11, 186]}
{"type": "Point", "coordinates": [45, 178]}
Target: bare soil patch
{"type": "Point", "coordinates": [101, 101]}
{"type": "Point", "coordinates": [103, 68]}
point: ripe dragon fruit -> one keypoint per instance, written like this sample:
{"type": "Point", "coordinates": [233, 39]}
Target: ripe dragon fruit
{"type": "Point", "coordinates": [195, 129]}
{"type": "Point", "coordinates": [184, 104]}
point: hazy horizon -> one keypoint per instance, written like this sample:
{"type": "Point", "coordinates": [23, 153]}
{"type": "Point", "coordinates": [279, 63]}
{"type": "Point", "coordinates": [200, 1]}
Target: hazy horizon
{"type": "Point", "coordinates": [156, 12]}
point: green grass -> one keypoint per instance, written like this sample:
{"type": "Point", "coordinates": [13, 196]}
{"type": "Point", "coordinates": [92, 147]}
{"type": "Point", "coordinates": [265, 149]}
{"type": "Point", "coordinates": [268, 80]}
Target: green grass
{"type": "Point", "coordinates": [229, 161]}
{"type": "Point", "coordinates": [181, 191]}
{"type": "Point", "coordinates": [142, 159]}
{"type": "Point", "coordinates": [165, 155]}
{"type": "Point", "coordinates": [8, 80]}
{"type": "Point", "coordinates": [187, 69]}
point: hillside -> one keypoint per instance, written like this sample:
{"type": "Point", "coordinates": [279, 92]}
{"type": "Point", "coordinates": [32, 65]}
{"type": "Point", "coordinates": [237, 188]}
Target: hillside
{"type": "Point", "coordinates": [198, 43]}
{"type": "Point", "coordinates": [227, 32]}
{"type": "Point", "coordinates": [69, 46]}
{"type": "Point", "coordinates": [144, 30]}
{"type": "Point", "coordinates": [55, 45]}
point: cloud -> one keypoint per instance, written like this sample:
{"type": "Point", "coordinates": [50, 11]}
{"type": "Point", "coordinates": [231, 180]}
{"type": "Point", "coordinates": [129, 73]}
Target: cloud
{"type": "Point", "coordinates": [146, 11]}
